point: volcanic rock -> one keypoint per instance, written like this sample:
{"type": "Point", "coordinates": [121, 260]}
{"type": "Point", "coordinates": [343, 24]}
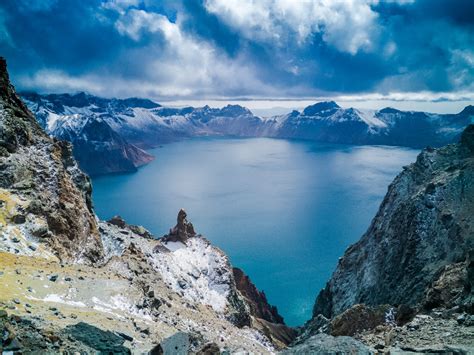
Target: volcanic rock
{"type": "Point", "coordinates": [182, 231]}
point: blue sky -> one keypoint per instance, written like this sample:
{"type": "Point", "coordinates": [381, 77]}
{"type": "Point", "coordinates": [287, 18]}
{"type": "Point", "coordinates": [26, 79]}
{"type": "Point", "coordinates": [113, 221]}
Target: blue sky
{"type": "Point", "coordinates": [233, 49]}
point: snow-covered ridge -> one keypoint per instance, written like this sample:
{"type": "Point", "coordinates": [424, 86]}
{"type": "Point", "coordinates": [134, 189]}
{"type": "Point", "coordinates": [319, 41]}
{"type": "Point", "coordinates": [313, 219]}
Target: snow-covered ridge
{"type": "Point", "coordinates": [148, 124]}
{"type": "Point", "coordinates": [194, 268]}
{"type": "Point", "coordinates": [198, 271]}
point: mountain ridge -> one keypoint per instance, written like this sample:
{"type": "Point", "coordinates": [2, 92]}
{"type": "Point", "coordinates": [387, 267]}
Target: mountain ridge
{"type": "Point", "coordinates": [147, 124]}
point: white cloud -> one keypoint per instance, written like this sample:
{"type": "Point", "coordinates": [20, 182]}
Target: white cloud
{"type": "Point", "coordinates": [120, 5]}
{"type": "Point", "coordinates": [178, 65]}
{"type": "Point", "coordinates": [58, 81]}
{"type": "Point", "coordinates": [135, 22]}
{"type": "Point", "coordinates": [348, 25]}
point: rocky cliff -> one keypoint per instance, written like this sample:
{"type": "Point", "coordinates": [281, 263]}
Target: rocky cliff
{"type": "Point", "coordinates": [412, 271]}
{"type": "Point", "coordinates": [100, 150]}
{"type": "Point", "coordinates": [44, 194]}
{"type": "Point", "coordinates": [424, 224]}
{"type": "Point", "coordinates": [73, 283]}
{"type": "Point", "coordinates": [257, 299]}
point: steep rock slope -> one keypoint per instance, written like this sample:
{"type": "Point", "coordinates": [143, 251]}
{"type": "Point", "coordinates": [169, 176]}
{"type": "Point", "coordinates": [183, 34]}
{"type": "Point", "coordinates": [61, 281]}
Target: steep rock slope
{"type": "Point", "coordinates": [257, 299]}
{"type": "Point", "coordinates": [100, 150]}
{"type": "Point", "coordinates": [424, 224]}
{"type": "Point", "coordinates": [74, 283]}
{"type": "Point", "coordinates": [408, 285]}
{"type": "Point", "coordinates": [146, 292]}
{"type": "Point", "coordinates": [45, 196]}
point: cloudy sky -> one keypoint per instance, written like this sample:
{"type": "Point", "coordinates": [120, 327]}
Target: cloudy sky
{"type": "Point", "coordinates": [233, 49]}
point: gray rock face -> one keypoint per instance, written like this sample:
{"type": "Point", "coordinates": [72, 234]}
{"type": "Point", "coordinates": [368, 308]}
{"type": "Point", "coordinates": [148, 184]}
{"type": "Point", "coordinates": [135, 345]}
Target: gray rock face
{"type": "Point", "coordinates": [327, 344]}
{"type": "Point", "coordinates": [41, 172]}
{"type": "Point", "coordinates": [177, 344]}
{"type": "Point", "coordinates": [97, 339]}
{"type": "Point", "coordinates": [182, 231]}
{"type": "Point", "coordinates": [424, 223]}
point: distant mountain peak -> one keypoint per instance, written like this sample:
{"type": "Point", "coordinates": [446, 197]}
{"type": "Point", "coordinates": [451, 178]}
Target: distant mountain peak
{"type": "Point", "coordinates": [83, 99]}
{"type": "Point", "coordinates": [467, 111]}
{"type": "Point", "coordinates": [234, 110]}
{"type": "Point", "coordinates": [389, 110]}
{"type": "Point", "coordinates": [139, 102]}
{"type": "Point", "coordinates": [323, 106]}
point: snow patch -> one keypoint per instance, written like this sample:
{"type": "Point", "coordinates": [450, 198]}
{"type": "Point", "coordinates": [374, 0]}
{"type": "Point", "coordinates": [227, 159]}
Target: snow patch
{"type": "Point", "coordinates": [368, 116]}
{"type": "Point", "coordinates": [121, 303]}
{"type": "Point", "coordinates": [55, 298]}
{"type": "Point", "coordinates": [173, 246]}
{"type": "Point", "coordinates": [197, 270]}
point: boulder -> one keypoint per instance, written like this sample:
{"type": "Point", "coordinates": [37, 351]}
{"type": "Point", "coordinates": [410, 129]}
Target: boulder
{"type": "Point", "coordinates": [105, 342]}
{"type": "Point", "coordinates": [357, 319]}
{"type": "Point", "coordinates": [177, 344]}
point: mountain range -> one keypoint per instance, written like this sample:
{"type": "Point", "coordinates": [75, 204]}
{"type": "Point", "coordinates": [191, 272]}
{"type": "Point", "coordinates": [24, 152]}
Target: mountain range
{"type": "Point", "coordinates": [110, 135]}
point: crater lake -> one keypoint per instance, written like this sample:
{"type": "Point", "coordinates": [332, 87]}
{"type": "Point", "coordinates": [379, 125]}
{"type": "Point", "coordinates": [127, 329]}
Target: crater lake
{"type": "Point", "coordinates": [284, 211]}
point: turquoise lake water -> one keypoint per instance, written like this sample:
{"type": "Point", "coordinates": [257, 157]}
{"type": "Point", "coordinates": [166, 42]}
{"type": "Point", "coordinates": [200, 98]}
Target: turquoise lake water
{"type": "Point", "coordinates": [284, 211]}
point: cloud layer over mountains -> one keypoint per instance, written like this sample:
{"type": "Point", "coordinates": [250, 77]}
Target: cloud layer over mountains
{"type": "Point", "coordinates": [229, 48]}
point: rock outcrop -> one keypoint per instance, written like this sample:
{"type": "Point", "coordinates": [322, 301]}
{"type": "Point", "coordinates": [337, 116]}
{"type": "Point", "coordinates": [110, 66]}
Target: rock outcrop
{"type": "Point", "coordinates": [327, 344]}
{"type": "Point", "coordinates": [265, 316]}
{"type": "Point", "coordinates": [257, 300]}
{"type": "Point", "coordinates": [45, 196]}
{"type": "Point", "coordinates": [409, 280]}
{"type": "Point", "coordinates": [182, 231]}
{"type": "Point", "coordinates": [424, 224]}
{"type": "Point", "coordinates": [100, 150]}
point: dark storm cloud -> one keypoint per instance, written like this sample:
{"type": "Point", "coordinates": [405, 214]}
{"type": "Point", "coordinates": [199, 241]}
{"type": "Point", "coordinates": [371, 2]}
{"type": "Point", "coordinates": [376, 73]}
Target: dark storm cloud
{"type": "Point", "coordinates": [232, 48]}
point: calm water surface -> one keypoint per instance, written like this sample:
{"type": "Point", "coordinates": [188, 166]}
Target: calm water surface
{"type": "Point", "coordinates": [284, 211]}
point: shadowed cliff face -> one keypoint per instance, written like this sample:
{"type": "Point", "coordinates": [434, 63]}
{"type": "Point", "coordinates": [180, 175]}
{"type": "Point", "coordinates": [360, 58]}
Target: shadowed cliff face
{"type": "Point", "coordinates": [100, 150]}
{"type": "Point", "coordinates": [18, 126]}
{"type": "Point", "coordinates": [258, 301]}
{"type": "Point", "coordinates": [54, 196]}
{"type": "Point", "coordinates": [407, 285]}
{"type": "Point", "coordinates": [424, 225]}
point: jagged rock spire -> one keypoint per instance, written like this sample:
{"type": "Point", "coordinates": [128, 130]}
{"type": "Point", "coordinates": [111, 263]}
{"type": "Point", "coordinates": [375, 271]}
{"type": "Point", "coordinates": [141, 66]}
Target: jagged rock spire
{"type": "Point", "coordinates": [183, 229]}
